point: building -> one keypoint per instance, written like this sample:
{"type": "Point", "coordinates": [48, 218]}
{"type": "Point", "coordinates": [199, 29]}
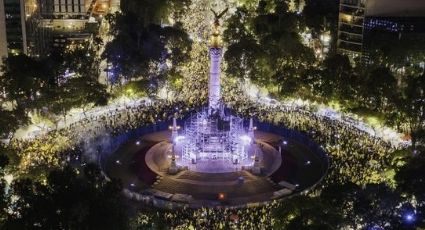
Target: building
{"type": "Point", "coordinates": [350, 27]}
{"type": "Point", "coordinates": [3, 39]}
{"type": "Point", "coordinates": [395, 8]}
{"type": "Point", "coordinates": [359, 18]}
{"type": "Point", "coordinates": [59, 22]}
{"type": "Point", "coordinates": [13, 39]}
{"type": "Point", "coordinates": [394, 25]}
{"type": "Point", "coordinates": [63, 9]}
{"type": "Point", "coordinates": [33, 26]}
{"type": "Point", "coordinates": [400, 39]}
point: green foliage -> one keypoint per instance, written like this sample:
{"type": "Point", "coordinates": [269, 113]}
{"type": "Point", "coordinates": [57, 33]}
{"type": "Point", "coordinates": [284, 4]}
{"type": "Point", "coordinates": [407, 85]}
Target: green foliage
{"type": "Point", "coordinates": [266, 47]}
{"type": "Point", "coordinates": [154, 11]}
{"type": "Point", "coordinates": [4, 197]}
{"type": "Point", "coordinates": [142, 49]}
{"type": "Point", "coordinates": [10, 121]}
{"type": "Point", "coordinates": [397, 51]}
{"type": "Point", "coordinates": [379, 86]}
{"type": "Point", "coordinates": [68, 201]}
{"type": "Point", "coordinates": [409, 105]}
{"type": "Point", "coordinates": [133, 89]}
{"type": "Point", "coordinates": [23, 78]}
{"type": "Point", "coordinates": [410, 177]}
{"type": "Point", "coordinates": [63, 80]}
{"type": "Point", "coordinates": [318, 13]}
{"type": "Point", "coordinates": [303, 212]}
{"type": "Point", "coordinates": [85, 91]}
{"type": "Point", "coordinates": [54, 84]}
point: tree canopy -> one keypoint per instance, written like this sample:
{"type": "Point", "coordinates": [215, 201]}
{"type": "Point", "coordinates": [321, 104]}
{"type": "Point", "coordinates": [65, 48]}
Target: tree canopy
{"type": "Point", "coordinates": [266, 47]}
{"type": "Point", "coordinates": [67, 200]}
{"type": "Point", "coordinates": [144, 46]}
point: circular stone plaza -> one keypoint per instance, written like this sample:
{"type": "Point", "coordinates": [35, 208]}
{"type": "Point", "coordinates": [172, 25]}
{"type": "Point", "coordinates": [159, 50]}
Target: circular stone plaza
{"type": "Point", "coordinates": [214, 158]}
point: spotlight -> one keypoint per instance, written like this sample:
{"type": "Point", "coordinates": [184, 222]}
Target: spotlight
{"type": "Point", "coordinates": [246, 139]}
{"type": "Point", "coordinates": [409, 217]}
{"type": "Point", "coordinates": [179, 138]}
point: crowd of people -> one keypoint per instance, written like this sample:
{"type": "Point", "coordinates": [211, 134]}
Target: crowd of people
{"type": "Point", "coordinates": [355, 156]}
{"type": "Point", "coordinates": [51, 149]}
{"type": "Point", "coordinates": [208, 218]}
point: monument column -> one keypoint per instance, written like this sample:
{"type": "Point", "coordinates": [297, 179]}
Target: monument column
{"type": "Point", "coordinates": [216, 51]}
{"type": "Point", "coordinates": [214, 80]}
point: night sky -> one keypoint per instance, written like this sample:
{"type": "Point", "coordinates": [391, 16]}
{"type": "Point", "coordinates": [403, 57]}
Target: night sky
{"type": "Point", "coordinates": [410, 8]}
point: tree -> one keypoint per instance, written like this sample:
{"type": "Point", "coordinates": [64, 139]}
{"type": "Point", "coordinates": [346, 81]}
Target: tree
{"type": "Point", "coordinates": [303, 212]}
{"type": "Point", "coordinates": [68, 201]}
{"type": "Point", "coordinates": [154, 12]}
{"type": "Point", "coordinates": [377, 203]}
{"type": "Point", "coordinates": [10, 121]}
{"type": "Point", "coordinates": [318, 13]}
{"type": "Point", "coordinates": [371, 205]}
{"type": "Point", "coordinates": [265, 46]}
{"type": "Point", "coordinates": [379, 88]}
{"type": "Point", "coordinates": [23, 79]}
{"type": "Point", "coordinates": [243, 53]}
{"type": "Point", "coordinates": [85, 92]}
{"type": "Point", "coordinates": [410, 104]}
{"type": "Point", "coordinates": [337, 79]}
{"type": "Point", "coordinates": [420, 139]}
{"type": "Point", "coordinates": [4, 197]}
{"type": "Point", "coordinates": [142, 49]}
{"type": "Point", "coordinates": [411, 176]}
{"type": "Point", "coordinates": [399, 52]}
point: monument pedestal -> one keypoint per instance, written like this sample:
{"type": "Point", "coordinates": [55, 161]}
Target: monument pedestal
{"type": "Point", "coordinates": [173, 169]}
{"type": "Point", "coordinates": [256, 169]}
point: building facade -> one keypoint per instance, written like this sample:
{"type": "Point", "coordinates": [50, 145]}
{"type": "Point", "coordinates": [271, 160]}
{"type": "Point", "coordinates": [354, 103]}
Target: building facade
{"type": "Point", "coordinates": [3, 39]}
{"type": "Point", "coordinates": [359, 18]}
{"type": "Point", "coordinates": [57, 23]}
{"type": "Point", "coordinates": [13, 39]}
{"type": "Point", "coordinates": [351, 26]}
{"type": "Point", "coordinates": [68, 9]}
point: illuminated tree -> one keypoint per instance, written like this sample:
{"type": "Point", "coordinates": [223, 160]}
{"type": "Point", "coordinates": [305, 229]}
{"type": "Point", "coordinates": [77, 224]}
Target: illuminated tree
{"type": "Point", "coordinates": [303, 212]}
{"type": "Point", "coordinates": [68, 200]}
{"type": "Point", "coordinates": [265, 46]}
{"type": "Point", "coordinates": [410, 104]}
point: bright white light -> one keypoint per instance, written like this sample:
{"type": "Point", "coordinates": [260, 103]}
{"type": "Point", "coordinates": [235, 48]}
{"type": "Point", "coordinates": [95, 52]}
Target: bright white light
{"type": "Point", "coordinates": [8, 178]}
{"type": "Point", "coordinates": [250, 89]}
{"type": "Point", "coordinates": [409, 217]}
{"type": "Point", "coordinates": [204, 122]}
{"type": "Point", "coordinates": [165, 93]}
{"type": "Point", "coordinates": [246, 139]}
{"type": "Point", "coordinates": [179, 138]}
{"type": "Point", "coordinates": [138, 143]}
{"type": "Point", "coordinates": [326, 38]}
